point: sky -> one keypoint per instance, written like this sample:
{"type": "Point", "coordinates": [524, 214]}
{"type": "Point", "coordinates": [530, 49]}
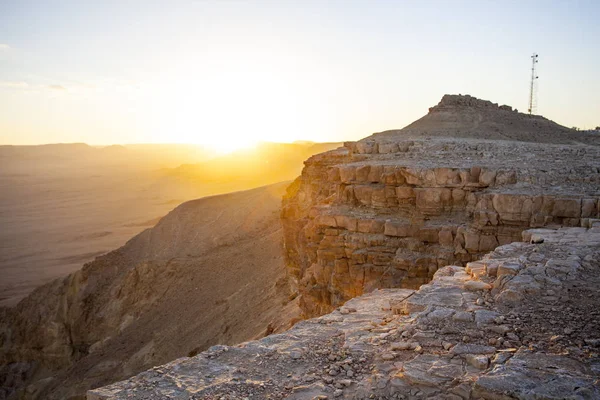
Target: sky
{"type": "Point", "coordinates": [229, 73]}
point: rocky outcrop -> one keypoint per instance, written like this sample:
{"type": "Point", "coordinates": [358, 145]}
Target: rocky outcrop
{"type": "Point", "coordinates": [521, 323]}
{"type": "Point", "coordinates": [458, 116]}
{"type": "Point", "coordinates": [210, 272]}
{"type": "Point", "coordinates": [391, 209]}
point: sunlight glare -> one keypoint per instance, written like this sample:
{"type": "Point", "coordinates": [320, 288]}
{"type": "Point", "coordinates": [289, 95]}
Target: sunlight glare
{"type": "Point", "coordinates": [227, 146]}
{"type": "Point", "coordinates": [226, 110]}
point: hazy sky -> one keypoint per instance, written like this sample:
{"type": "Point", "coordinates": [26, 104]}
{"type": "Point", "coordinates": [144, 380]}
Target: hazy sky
{"type": "Point", "coordinates": [106, 72]}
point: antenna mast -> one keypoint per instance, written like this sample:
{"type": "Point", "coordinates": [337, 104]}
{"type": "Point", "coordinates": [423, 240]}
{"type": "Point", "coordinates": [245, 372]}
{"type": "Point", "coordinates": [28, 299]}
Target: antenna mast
{"type": "Point", "coordinates": [532, 86]}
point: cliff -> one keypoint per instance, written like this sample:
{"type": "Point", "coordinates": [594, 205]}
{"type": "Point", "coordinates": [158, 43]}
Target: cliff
{"type": "Point", "coordinates": [210, 272]}
{"type": "Point", "coordinates": [522, 323]}
{"type": "Point", "coordinates": [389, 210]}
{"type": "Point", "coordinates": [409, 241]}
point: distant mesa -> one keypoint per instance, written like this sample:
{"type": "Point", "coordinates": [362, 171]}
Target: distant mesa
{"type": "Point", "coordinates": [114, 148]}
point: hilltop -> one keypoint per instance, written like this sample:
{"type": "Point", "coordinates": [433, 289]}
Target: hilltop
{"type": "Point", "coordinates": [467, 117]}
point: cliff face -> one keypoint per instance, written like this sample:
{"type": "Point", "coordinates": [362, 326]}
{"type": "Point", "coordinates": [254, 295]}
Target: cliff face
{"type": "Point", "coordinates": [389, 210]}
{"type": "Point", "coordinates": [209, 272]}
{"type": "Point", "coordinates": [522, 323]}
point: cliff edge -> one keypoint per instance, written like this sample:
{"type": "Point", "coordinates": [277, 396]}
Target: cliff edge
{"type": "Point", "coordinates": [522, 323]}
{"type": "Point", "coordinates": [389, 210]}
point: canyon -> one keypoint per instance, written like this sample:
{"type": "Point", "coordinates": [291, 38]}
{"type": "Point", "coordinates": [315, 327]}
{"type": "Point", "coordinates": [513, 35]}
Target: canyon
{"type": "Point", "coordinates": [210, 272]}
{"type": "Point", "coordinates": [62, 205]}
{"type": "Point", "coordinates": [456, 258]}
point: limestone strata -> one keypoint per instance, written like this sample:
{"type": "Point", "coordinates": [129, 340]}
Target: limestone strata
{"type": "Point", "coordinates": [389, 210]}
{"type": "Point", "coordinates": [509, 326]}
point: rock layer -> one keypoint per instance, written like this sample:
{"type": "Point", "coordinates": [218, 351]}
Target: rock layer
{"type": "Point", "coordinates": [521, 323]}
{"type": "Point", "coordinates": [389, 210]}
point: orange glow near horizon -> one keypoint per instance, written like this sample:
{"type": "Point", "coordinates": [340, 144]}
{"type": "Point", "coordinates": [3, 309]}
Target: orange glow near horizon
{"type": "Point", "coordinates": [227, 147]}
{"type": "Point", "coordinates": [228, 74]}
{"type": "Point", "coordinates": [227, 110]}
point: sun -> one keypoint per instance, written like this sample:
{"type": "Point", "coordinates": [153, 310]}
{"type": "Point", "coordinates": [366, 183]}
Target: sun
{"type": "Point", "coordinates": [218, 143]}
{"type": "Point", "coordinates": [225, 111]}
{"type": "Point", "coordinates": [229, 146]}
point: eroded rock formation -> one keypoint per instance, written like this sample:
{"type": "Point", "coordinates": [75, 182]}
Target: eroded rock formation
{"type": "Point", "coordinates": [521, 323]}
{"type": "Point", "coordinates": [391, 209]}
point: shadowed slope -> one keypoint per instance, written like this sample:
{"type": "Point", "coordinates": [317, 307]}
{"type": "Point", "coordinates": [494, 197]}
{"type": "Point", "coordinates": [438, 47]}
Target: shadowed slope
{"type": "Point", "coordinates": [209, 272]}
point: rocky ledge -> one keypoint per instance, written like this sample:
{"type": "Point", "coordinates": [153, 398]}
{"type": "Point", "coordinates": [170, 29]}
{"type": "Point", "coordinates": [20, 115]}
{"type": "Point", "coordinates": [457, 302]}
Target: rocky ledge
{"type": "Point", "coordinates": [393, 208]}
{"type": "Point", "coordinates": [522, 322]}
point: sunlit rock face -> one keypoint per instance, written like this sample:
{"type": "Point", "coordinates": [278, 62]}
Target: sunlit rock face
{"type": "Point", "coordinates": [389, 210]}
